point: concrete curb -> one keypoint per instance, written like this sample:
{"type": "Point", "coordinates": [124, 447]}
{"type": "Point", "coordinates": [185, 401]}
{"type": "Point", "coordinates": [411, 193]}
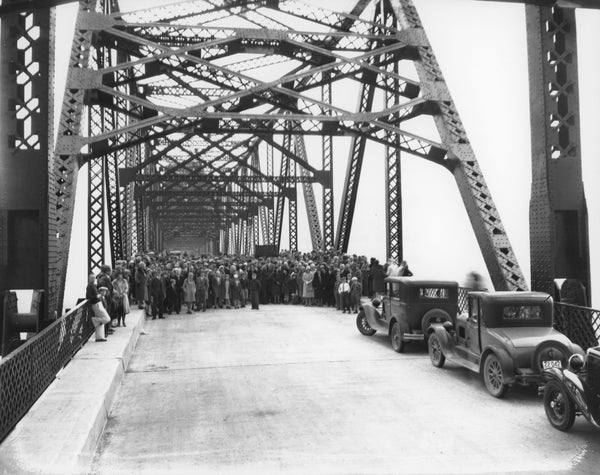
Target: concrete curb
{"type": "Point", "coordinates": [61, 431]}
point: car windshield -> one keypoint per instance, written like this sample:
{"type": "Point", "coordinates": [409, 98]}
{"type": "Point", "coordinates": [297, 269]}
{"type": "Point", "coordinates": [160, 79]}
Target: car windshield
{"type": "Point", "coordinates": [434, 293]}
{"type": "Point", "coordinates": [522, 312]}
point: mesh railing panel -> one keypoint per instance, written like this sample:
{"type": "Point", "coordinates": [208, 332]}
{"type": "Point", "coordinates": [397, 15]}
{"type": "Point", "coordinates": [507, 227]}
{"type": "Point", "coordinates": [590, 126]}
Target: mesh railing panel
{"type": "Point", "coordinates": [28, 371]}
{"type": "Point", "coordinates": [580, 324]}
{"type": "Point", "coordinates": [463, 303]}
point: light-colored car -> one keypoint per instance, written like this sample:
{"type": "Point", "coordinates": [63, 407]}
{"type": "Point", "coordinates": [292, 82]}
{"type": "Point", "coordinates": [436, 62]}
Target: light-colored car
{"type": "Point", "coordinates": [408, 308]}
{"type": "Point", "coordinates": [507, 337]}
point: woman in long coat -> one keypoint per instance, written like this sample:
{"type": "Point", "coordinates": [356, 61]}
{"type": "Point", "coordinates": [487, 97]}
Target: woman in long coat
{"type": "Point", "coordinates": [141, 285]}
{"type": "Point", "coordinates": [189, 292]}
{"type": "Point", "coordinates": [378, 275]}
{"type": "Point", "coordinates": [308, 290]}
{"type": "Point", "coordinates": [120, 298]}
{"type": "Point", "coordinates": [254, 287]}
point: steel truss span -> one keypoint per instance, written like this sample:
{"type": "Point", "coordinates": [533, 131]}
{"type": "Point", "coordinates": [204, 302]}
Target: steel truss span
{"type": "Point", "coordinates": [198, 126]}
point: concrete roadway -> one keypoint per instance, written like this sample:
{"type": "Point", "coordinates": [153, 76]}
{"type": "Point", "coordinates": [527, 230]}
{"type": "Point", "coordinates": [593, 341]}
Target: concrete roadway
{"type": "Point", "coordinates": [297, 390]}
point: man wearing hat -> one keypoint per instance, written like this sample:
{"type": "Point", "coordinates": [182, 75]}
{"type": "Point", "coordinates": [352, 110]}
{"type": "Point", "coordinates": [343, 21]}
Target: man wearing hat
{"type": "Point", "coordinates": [100, 315]}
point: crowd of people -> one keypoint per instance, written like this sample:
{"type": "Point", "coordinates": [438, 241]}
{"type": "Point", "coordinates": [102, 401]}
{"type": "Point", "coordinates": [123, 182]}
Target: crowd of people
{"type": "Point", "coordinates": [167, 283]}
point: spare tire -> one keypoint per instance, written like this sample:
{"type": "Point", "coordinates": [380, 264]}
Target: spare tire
{"type": "Point", "coordinates": [435, 315]}
{"type": "Point", "coordinates": [550, 351]}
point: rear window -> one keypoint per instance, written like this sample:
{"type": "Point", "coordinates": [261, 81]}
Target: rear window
{"type": "Point", "coordinates": [521, 312]}
{"type": "Point", "coordinates": [434, 293]}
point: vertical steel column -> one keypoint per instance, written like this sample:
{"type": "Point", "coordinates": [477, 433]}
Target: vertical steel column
{"type": "Point", "coordinates": [99, 120]}
{"type": "Point", "coordinates": [264, 223]}
{"type": "Point", "coordinates": [95, 215]}
{"type": "Point", "coordinates": [558, 220]}
{"type": "Point", "coordinates": [328, 204]}
{"type": "Point", "coordinates": [140, 214]}
{"type": "Point", "coordinates": [26, 128]}
{"type": "Point", "coordinates": [393, 171]}
{"type": "Point", "coordinates": [293, 211]}
{"type": "Point", "coordinates": [270, 210]}
{"type": "Point", "coordinates": [130, 225]}
{"type": "Point", "coordinates": [283, 173]}
{"type": "Point", "coordinates": [487, 226]}
{"type": "Point", "coordinates": [255, 231]}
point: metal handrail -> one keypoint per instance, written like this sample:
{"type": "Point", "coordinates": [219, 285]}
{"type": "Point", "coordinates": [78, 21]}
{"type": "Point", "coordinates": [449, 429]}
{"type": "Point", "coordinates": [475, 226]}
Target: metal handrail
{"type": "Point", "coordinates": [26, 372]}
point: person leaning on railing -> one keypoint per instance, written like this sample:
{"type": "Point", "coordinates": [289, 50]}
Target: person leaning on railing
{"type": "Point", "coordinates": [101, 316]}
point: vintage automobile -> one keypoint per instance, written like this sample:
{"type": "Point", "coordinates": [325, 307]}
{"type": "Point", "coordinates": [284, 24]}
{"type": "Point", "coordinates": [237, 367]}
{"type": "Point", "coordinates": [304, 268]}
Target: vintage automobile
{"type": "Point", "coordinates": [574, 390]}
{"type": "Point", "coordinates": [407, 309]}
{"type": "Point", "coordinates": [505, 336]}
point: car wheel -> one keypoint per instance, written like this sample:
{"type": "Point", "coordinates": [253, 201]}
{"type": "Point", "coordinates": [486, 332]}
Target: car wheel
{"type": "Point", "coordinates": [436, 355]}
{"type": "Point", "coordinates": [559, 407]}
{"type": "Point", "coordinates": [493, 376]}
{"type": "Point", "coordinates": [550, 351]}
{"type": "Point", "coordinates": [363, 325]}
{"type": "Point", "coordinates": [435, 315]}
{"type": "Point", "coordinates": [396, 336]}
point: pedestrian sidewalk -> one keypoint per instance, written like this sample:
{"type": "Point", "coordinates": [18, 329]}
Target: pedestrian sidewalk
{"type": "Point", "coordinates": [60, 432]}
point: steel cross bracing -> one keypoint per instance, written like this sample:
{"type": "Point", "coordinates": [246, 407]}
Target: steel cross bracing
{"type": "Point", "coordinates": [193, 100]}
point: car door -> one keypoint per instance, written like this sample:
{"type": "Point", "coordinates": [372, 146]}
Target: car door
{"type": "Point", "coordinates": [390, 304]}
{"type": "Point", "coordinates": [468, 332]}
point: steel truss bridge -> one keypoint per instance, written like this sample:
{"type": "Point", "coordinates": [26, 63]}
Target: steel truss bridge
{"type": "Point", "coordinates": [193, 118]}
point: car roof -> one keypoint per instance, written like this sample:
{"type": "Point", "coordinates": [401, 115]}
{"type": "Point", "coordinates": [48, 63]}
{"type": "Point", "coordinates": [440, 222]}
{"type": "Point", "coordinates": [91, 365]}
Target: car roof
{"type": "Point", "coordinates": [509, 296]}
{"type": "Point", "coordinates": [420, 282]}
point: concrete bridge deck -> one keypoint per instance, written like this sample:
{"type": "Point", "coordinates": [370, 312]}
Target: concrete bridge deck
{"type": "Point", "coordinates": [290, 389]}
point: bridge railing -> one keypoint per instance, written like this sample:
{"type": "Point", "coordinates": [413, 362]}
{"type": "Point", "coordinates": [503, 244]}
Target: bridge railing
{"type": "Point", "coordinates": [580, 324]}
{"type": "Point", "coordinates": [28, 371]}
{"type": "Point", "coordinates": [463, 303]}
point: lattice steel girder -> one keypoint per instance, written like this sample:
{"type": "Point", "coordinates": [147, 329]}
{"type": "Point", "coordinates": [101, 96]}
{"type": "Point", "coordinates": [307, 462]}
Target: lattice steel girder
{"type": "Point", "coordinates": [64, 165]}
{"type": "Point", "coordinates": [284, 171]}
{"type": "Point", "coordinates": [309, 199]}
{"type": "Point", "coordinates": [26, 72]}
{"type": "Point", "coordinates": [393, 181]}
{"type": "Point", "coordinates": [558, 221]}
{"type": "Point", "coordinates": [270, 210]}
{"type": "Point", "coordinates": [555, 3]}
{"type": "Point", "coordinates": [28, 5]}
{"type": "Point", "coordinates": [490, 234]}
{"type": "Point", "coordinates": [363, 125]}
{"type": "Point", "coordinates": [279, 181]}
{"type": "Point", "coordinates": [327, 152]}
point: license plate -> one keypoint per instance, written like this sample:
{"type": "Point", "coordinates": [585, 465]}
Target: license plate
{"type": "Point", "coordinates": [551, 364]}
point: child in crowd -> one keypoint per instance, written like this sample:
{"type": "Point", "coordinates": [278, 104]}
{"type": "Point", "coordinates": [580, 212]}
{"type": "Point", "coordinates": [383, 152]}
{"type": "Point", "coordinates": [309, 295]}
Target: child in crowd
{"type": "Point", "coordinates": [344, 291]}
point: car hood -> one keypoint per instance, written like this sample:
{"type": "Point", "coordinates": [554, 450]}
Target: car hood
{"type": "Point", "coordinates": [529, 337]}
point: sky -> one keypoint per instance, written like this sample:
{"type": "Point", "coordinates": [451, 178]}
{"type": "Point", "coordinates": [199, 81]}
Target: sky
{"type": "Point", "coordinates": [481, 48]}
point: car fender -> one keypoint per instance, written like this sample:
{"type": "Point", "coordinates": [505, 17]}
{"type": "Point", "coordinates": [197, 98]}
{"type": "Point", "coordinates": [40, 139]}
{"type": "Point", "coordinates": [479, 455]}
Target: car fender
{"type": "Point", "coordinates": [564, 377]}
{"type": "Point", "coordinates": [370, 311]}
{"type": "Point", "coordinates": [579, 392]}
{"type": "Point", "coordinates": [508, 367]}
{"type": "Point", "coordinates": [446, 339]}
